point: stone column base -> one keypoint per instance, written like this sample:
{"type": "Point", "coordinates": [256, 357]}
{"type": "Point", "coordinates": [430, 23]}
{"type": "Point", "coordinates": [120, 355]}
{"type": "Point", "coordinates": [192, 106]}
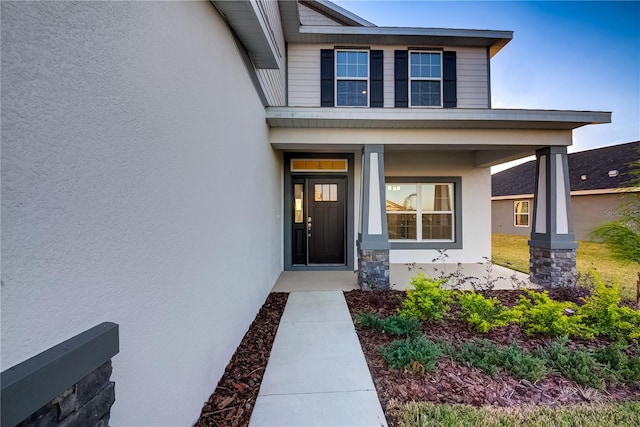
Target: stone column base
{"type": "Point", "coordinates": [373, 269]}
{"type": "Point", "coordinates": [552, 267]}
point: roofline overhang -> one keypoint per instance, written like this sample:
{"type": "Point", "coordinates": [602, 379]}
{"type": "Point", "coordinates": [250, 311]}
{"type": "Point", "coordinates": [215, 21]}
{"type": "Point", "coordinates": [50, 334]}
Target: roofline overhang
{"type": "Point", "coordinates": [594, 192]}
{"type": "Point", "coordinates": [403, 118]}
{"type": "Point", "coordinates": [373, 35]}
{"type": "Point", "coordinates": [337, 12]}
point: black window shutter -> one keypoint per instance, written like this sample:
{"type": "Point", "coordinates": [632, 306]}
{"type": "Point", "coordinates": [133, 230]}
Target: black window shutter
{"type": "Point", "coordinates": [326, 78]}
{"type": "Point", "coordinates": [449, 90]}
{"type": "Point", "coordinates": [376, 85]}
{"type": "Point", "coordinates": [401, 74]}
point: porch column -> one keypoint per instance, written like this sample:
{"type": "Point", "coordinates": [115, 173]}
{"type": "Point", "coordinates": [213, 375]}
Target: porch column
{"type": "Point", "coordinates": [552, 248]}
{"type": "Point", "coordinates": [373, 239]}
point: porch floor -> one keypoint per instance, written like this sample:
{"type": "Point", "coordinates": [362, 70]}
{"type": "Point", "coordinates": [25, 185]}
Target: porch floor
{"type": "Point", "coordinates": [295, 281]}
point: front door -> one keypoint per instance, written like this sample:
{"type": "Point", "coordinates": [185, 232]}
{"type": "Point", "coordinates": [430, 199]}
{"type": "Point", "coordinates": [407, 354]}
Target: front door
{"type": "Point", "coordinates": [318, 220]}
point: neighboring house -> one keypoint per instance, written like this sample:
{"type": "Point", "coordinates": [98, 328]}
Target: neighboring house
{"type": "Point", "coordinates": [599, 181]}
{"type": "Point", "coordinates": [164, 162]}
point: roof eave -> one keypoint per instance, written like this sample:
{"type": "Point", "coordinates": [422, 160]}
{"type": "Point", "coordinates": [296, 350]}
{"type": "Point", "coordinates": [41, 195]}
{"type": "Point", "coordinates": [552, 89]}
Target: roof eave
{"type": "Point", "coordinates": [382, 118]}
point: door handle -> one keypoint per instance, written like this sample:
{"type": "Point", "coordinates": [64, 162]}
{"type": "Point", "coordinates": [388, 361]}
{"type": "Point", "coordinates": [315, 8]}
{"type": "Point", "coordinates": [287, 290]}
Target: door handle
{"type": "Point", "coordinates": [309, 226]}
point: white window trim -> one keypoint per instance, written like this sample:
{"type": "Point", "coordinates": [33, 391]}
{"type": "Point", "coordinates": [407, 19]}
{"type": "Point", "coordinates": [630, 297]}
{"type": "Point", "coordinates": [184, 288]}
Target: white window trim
{"type": "Point", "coordinates": [335, 73]}
{"type": "Point", "coordinates": [418, 212]}
{"type": "Point", "coordinates": [432, 79]}
{"type": "Point", "coordinates": [528, 213]}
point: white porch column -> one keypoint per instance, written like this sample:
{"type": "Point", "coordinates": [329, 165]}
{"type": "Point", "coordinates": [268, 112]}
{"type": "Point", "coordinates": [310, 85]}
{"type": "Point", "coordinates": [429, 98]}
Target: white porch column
{"type": "Point", "coordinates": [373, 239]}
{"type": "Point", "coordinates": [552, 247]}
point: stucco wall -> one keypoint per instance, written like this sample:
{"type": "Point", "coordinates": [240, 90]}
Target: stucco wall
{"type": "Point", "coordinates": [476, 200]}
{"type": "Point", "coordinates": [588, 211]}
{"type": "Point", "coordinates": [134, 161]}
{"type": "Point", "coordinates": [502, 218]}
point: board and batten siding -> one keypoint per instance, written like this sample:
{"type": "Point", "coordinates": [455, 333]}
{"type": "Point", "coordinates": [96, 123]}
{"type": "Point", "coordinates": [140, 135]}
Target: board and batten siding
{"type": "Point", "coordinates": [309, 16]}
{"type": "Point", "coordinates": [304, 75]}
{"type": "Point", "coordinates": [273, 82]}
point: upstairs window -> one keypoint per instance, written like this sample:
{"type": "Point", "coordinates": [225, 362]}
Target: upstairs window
{"type": "Point", "coordinates": [352, 78]}
{"type": "Point", "coordinates": [425, 79]}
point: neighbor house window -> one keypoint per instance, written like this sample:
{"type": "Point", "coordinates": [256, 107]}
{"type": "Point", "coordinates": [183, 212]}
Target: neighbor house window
{"type": "Point", "coordinates": [425, 79]}
{"type": "Point", "coordinates": [352, 78]}
{"type": "Point", "coordinates": [521, 213]}
{"type": "Point", "coordinates": [421, 211]}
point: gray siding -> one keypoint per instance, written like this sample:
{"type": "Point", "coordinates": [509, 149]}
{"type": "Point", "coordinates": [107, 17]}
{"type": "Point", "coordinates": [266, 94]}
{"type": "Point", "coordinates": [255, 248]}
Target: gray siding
{"type": "Point", "coordinates": [273, 82]}
{"type": "Point", "coordinates": [304, 75]}
{"type": "Point", "coordinates": [309, 16]}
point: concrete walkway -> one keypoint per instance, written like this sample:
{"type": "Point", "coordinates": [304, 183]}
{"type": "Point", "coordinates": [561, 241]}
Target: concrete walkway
{"type": "Point", "coordinates": [317, 374]}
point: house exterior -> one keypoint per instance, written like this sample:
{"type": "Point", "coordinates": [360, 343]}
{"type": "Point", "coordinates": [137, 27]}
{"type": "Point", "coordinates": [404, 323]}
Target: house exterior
{"type": "Point", "coordinates": [164, 162]}
{"type": "Point", "coordinates": [599, 182]}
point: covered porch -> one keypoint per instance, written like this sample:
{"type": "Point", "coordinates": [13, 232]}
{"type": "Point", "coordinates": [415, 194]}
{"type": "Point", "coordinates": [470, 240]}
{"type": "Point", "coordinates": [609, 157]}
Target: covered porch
{"type": "Point", "coordinates": [400, 277]}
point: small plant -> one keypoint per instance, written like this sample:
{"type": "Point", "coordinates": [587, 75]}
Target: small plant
{"type": "Point", "coordinates": [617, 365]}
{"type": "Point", "coordinates": [479, 354]}
{"type": "Point", "coordinates": [602, 312]}
{"type": "Point", "coordinates": [538, 313]}
{"type": "Point", "coordinates": [416, 355]}
{"type": "Point", "coordinates": [484, 313]}
{"type": "Point", "coordinates": [394, 325]}
{"type": "Point", "coordinates": [522, 365]}
{"type": "Point", "coordinates": [488, 281]}
{"type": "Point", "coordinates": [579, 365]}
{"type": "Point", "coordinates": [427, 301]}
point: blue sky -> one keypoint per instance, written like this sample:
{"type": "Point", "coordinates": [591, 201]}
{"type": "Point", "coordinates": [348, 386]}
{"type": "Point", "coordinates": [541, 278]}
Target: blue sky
{"type": "Point", "coordinates": [567, 55]}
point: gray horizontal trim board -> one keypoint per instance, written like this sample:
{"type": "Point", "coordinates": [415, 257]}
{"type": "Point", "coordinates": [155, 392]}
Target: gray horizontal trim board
{"type": "Point", "coordinates": [411, 118]}
{"type": "Point", "coordinates": [30, 385]}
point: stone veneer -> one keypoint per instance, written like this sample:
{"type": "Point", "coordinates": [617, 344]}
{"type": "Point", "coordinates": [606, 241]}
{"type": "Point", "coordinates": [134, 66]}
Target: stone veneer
{"type": "Point", "coordinates": [373, 269]}
{"type": "Point", "coordinates": [552, 267]}
{"type": "Point", "coordinates": [84, 404]}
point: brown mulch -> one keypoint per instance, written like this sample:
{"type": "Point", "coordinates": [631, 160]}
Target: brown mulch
{"type": "Point", "coordinates": [454, 383]}
{"type": "Point", "coordinates": [232, 402]}
{"type": "Point", "coordinates": [234, 398]}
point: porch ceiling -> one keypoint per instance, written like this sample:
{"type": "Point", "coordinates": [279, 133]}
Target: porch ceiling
{"type": "Point", "coordinates": [402, 118]}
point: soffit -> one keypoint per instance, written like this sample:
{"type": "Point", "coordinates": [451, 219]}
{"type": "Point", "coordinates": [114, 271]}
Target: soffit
{"type": "Point", "coordinates": [374, 118]}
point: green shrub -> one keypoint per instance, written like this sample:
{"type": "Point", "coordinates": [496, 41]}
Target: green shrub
{"type": "Point", "coordinates": [617, 365]}
{"type": "Point", "coordinates": [602, 312]}
{"type": "Point", "coordinates": [481, 354]}
{"type": "Point", "coordinates": [394, 325]}
{"type": "Point", "coordinates": [484, 313]}
{"type": "Point", "coordinates": [522, 365]}
{"type": "Point", "coordinates": [417, 354]}
{"type": "Point", "coordinates": [540, 314]}
{"type": "Point", "coordinates": [579, 365]}
{"type": "Point", "coordinates": [427, 301]}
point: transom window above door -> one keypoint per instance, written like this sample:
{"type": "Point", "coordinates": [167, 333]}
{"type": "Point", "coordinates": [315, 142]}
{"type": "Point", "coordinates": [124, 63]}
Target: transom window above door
{"type": "Point", "coordinates": [352, 78]}
{"type": "Point", "coordinates": [425, 79]}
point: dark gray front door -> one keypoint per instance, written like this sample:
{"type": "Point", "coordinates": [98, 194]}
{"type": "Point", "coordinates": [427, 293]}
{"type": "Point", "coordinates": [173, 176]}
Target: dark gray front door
{"type": "Point", "coordinates": [319, 220]}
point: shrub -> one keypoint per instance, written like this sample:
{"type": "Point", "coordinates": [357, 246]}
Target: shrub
{"type": "Point", "coordinates": [481, 354]}
{"type": "Point", "coordinates": [484, 313]}
{"type": "Point", "coordinates": [417, 354]}
{"type": "Point", "coordinates": [579, 365]}
{"type": "Point", "coordinates": [602, 312]}
{"type": "Point", "coordinates": [617, 365]}
{"type": "Point", "coordinates": [394, 325]}
{"type": "Point", "coordinates": [427, 301]}
{"type": "Point", "coordinates": [540, 314]}
{"type": "Point", "coordinates": [522, 365]}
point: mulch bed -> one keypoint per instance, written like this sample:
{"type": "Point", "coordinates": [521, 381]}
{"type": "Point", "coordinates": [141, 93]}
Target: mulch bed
{"type": "Point", "coordinates": [453, 383]}
{"type": "Point", "coordinates": [234, 398]}
{"type": "Point", "coordinates": [232, 402]}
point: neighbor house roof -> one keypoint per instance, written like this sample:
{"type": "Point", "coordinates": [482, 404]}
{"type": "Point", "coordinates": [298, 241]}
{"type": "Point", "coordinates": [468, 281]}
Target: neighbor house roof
{"type": "Point", "coordinates": [598, 169]}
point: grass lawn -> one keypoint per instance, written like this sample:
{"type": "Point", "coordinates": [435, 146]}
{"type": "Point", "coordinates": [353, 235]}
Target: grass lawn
{"type": "Point", "coordinates": [422, 414]}
{"type": "Point", "coordinates": [513, 252]}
